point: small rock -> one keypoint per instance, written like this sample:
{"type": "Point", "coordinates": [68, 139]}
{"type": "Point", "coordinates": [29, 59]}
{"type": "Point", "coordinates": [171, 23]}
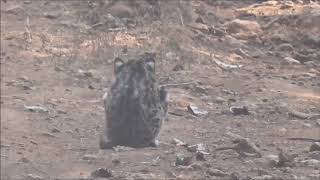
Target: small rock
{"type": "Point", "coordinates": [285, 47]}
{"type": "Point", "coordinates": [36, 108]}
{"type": "Point", "coordinates": [199, 20]}
{"type": "Point", "coordinates": [285, 159]}
{"type": "Point", "coordinates": [290, 60]}
{"type": "Point", "coordinates": [196, 166]}
{"type": "Point", "coordinates": [219, 100]}
{"type": "Point", "coordinates": [102, 172]}
{"type": "Point", "coordinates": [264, 177]}
{"type": "Point", "coordinates": [89, 157]}
{"type": "Point", "coordinates": [307, 125]}
{"type": "Point", "coordinates": [196, 111]}
{"type": "Point", "coordinates": [55, 130]}
{"type": "Point", "coordinates": [34, 177]}
{"type": "Point", "coordinates": [201, 27]}
{"type": "Point", "coordinates": [200, 155]}
{"type": "Point", "coordinates": [216, 31]}
{"type": "Point", "coordinates": [246, 147]}
{"type": "Point", "coordinates": [47, 134]}
{"type": "Point", "coordinates": [216, 172]}
{"type": "Point", "coordinates": [116, 161]}
{"type": "Point", "coordinates": [178, 142]}
{"type": "Point", "coordinates": [25, 160]}
{"type": "Point", "coordinates": [51, 15]}
{"type": "Point", "coordinates": [239, 110]}
{"type": "Point", "coordinates": [314, 155]}
{"type": "Point", "coordinates": [318, 122]}
{"type": "Point", "coordinates": [311, 162]}
{"type": "Point", "coordinates": [121, 11]}
{"type": "Point", "coordinates": [156, 161]}
{"type": "Point", "coordinates": [122, 148]}
{"type": "Point", "coordinates": [272, 159]}
{"type": "Point", "coordinates": [315, 147]}
{"type": "Point", "coordinates": [196, 147]}
{"type": "Point", "coordinates": [182, 160]}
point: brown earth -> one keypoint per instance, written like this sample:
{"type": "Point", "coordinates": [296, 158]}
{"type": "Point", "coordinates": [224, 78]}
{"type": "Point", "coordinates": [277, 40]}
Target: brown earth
{"type": "Point", "coordinates": [212, 54]}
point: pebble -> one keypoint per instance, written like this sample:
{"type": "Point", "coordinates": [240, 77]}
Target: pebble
{"type": "Point", "coordinates": [239, 110]}
{"type": "Point", "coordinates": [182, 160]}
{"type": "Point", "coordinates": [314, 155]}
{"type": "Point", "coordinates": [34, 177]}
{"type": "Point", "coordinates": [315, 147]}
{"type": "Point", "coordinates": [196, 147]}
{"type": "Point", "coordinates": [36, 108]}
{"type": "Point", "coordinates": [311, 162]}
{"type": "Point", "coordinates": [196, 111]}
{"type": "Point", "coordinates": [216, 172]}
{"type": "Point", "coordinates": [102, 172]}
{"type": "Point", "coordinates": [89, 157]}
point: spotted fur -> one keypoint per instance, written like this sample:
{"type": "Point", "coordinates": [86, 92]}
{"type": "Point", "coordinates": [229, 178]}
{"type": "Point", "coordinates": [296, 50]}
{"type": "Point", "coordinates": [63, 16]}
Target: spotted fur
{"type": "Point", "coordinates": [135, 106]}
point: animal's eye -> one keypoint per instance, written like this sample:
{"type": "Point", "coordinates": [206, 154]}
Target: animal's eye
{"type": "Point", "coordinates": [150, 62]}
{"type": "Point", "coordinates": [118, 64]}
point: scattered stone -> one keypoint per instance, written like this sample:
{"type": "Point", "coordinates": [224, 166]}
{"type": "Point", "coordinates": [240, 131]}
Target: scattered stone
{"type": "Point", "coordinates": [196, 147]}
{"type": "Point", "coordinates": [178, 142]}
{"type": "Point", "coordinates": [196, 166]}
{"type": "Point", "coordinates": [156, 161]}
{"type": "Point", "coordinates": [51, 15]}
{"type": "Point", "coordinates": [315, 147]}
{"type": "Point", "coordinates": [226, 66]}
{"type": "Point", "coordinates": [244, 147]}
{"type": "Point", "coordinates": [290, 60]}
{"type": "Point", "coordinates": [285, 159]}
{"type": "Point", "coordinates": [264, 177]}
{"type": "Point", "coordinates": [55, 130]}
{"type": "Point", "coordinates": [199, 20]}
{"type": "Point", "coordinates": [314, 155]}
{"type": "Point", "coordinates": [122, 148]}
{"type": "Point", "coordinates": [170, 174]}
{"type": "Point", "coordinates": [34, 177]}
{"type": "Point", "coordinates": [200, 155]}
{"type": "Point", "coordinates": [216, 172]}
{"type": "Point", "coordinates": [216, 31]}
{"type": "Point", "coordinates": [89, 157]}
{"type": "Point", "coordinates": [16, 10]}
{"type": "Point", "coordinates": [47, 134]}
{"type": "Point", "coordinates": [196, 111]}
{"type": "Point", "coordinates": [307, 125]}
{"type": "Point", "coordinates": [238, 25]}
{"type": "Point", "coordinates": [302, 115]}
{"type": "Point", "coordinates": [285, 47]}
{"type": "Point", "coordinates": [318, 122]}
{"type": "Point", "coordinates": [116, 161]}
{"type": "Point", "coordinates": [239, 110]}
{"type": "Point", "coordinates": [121, 11]}
{"type": "Point", "coordinates": [182, 160]}
{"type": "Point", "coordinates": [102, 172]}
{"type": "Point", "coordinates": [311, 162]}
{"type": "Point", "coordinates": [24, 160]}
{"type": "Point", "coordinates": [201, 27]}
{"type": "Point", "coordinates": [272, 160]}
{"type": "Point", "coordinates": [39, 109]}
{"type": "Point", "coordinates": [219, 100]}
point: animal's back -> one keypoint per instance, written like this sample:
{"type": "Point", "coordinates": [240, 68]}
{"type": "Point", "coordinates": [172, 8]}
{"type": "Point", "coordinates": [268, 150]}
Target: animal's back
{"type": "Point", "coordinates": [135, 106]}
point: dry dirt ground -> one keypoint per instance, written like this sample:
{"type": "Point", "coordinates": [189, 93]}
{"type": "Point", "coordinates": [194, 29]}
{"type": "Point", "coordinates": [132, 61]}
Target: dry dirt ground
{"type": "Point", "coordinates": [216, 55]}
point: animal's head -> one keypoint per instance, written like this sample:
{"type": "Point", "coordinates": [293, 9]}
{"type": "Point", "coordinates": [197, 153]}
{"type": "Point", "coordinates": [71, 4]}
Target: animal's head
{"type": "Point", "coordinates": [143, 67]}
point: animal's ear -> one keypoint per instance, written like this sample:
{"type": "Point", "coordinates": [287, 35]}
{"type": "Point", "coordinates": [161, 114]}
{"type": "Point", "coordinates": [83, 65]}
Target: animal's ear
{"type": "Point", "coordinates": [151, 64]}
{"type": "Point", "coordinates": [118, 64]}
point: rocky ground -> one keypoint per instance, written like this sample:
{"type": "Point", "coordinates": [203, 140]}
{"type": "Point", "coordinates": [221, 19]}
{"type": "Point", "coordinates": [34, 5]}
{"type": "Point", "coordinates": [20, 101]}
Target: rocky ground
{"type": "Point", "coordinates": [243, 79]}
